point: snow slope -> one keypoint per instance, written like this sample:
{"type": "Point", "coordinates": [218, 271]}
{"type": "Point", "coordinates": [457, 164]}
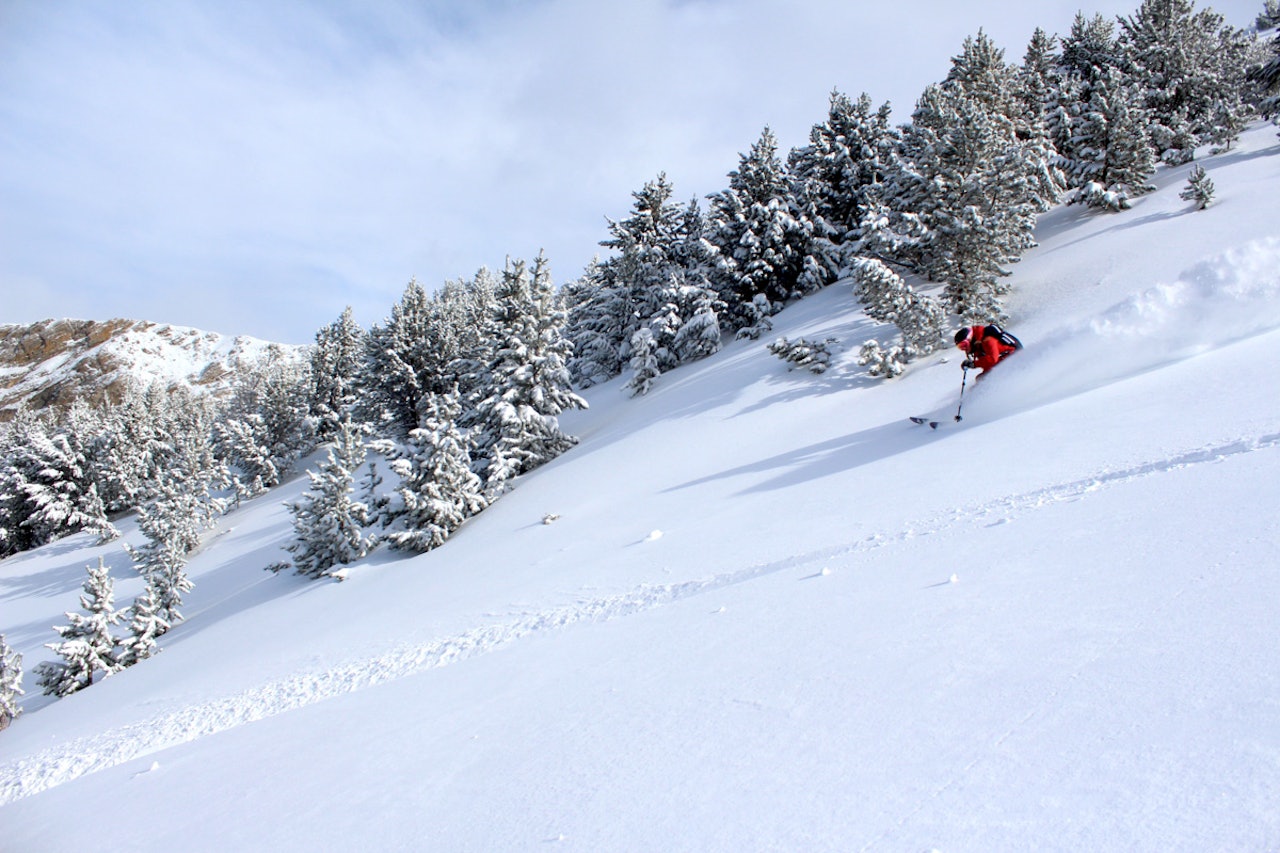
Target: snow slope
{"type": "Point", "coordinates": [772, 614]}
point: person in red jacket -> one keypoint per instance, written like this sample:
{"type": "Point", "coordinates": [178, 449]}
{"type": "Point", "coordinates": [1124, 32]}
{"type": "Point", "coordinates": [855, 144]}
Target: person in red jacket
{"type": "Point", "coordinates": [986, 346]}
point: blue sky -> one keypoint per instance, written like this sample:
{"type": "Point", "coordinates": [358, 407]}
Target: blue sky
{"type": "Point", "coordinates": [255, 167]}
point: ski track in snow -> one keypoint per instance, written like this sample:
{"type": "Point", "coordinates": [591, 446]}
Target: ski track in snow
{"type": "Point", "coordinates": [57, 765]}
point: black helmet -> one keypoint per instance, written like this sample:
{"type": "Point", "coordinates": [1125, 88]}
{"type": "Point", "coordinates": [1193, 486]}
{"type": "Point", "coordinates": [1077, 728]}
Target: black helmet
{"type": "Point", "coordinates": [962, 335]}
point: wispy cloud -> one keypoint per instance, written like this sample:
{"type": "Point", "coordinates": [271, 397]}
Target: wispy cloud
{"type": "Point", "coordinates": [254, 167]}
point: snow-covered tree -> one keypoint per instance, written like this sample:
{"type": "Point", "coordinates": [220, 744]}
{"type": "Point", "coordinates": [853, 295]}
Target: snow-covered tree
{"type": "Point", "coordinates": [146, 625]}
{"type": "Point", "coordinates": [1099, 123]}
{"type": "Point", "coordinates": [172, 532]}
{"type": "Point", "coordinates": [1090, 47]}
{"type": "Point", "coordinates": [755, 317]}
{"type": "Point", "coordinates": [142, 433]}
{"type": "Point", "coordinates": [1112, 146]}
{"type": "Point", "coordinates": [464, 309]}
{"type": "Point", "coordinates": [699, 335]}
{"type": "Point", "coordinates": [14, 509]}
{"type": "Point", "coordinates": [88, 645]}
{"type": "Point", "coordinates": [1266, 75]}
{"type": "Point", "coordinates": [972, 190]}
{"type": "Point", "coordinates": [49, 482]}
{"type": "Point", "coordinates": [979, 70]}
{"type": "Point", "coordinates": [336, 365]}
{"type": "Point", "coordinates": [842, 169]}
{"type": "Point", "coordinates": [656, 282]}
{"type": "Point", "coordinates": [1038, 79]}
{"type": "Point", "coordinates": [597, 315]}
{"type": "Point", "coordinates": [395, 379]}
{"type": "Point", "coordinates": [10, 684]}
{"type": "Point", "coordinates": [429, 345]}
{"type": "Point", "coordinates": [269, 425]}
{"type": "Point", "coordinates": [182, 507]}
{"type": "Point", "coordinates": [328, 522]}
{"type": "Point", "coordinates": [765, 244]}
{"type": "Point", "coordinates": [438, 490]}
{"type": "Point", "coordinates": [887, 298]}
{"type": "Point", "coordinates": [1199, 188]}
{"type": "Point", "coordinates": [644, 362]}
{"type": "Point", "coordinates": [519, 429]}
{"type": "Point", "coordinates": [700, 308]}
{"type": "Point", "coordinates": [1191, 68]}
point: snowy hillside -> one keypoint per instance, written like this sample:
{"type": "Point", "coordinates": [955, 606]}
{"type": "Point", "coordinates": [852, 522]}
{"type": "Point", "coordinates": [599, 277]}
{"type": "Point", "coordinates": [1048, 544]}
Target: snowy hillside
{"type": "Point", "coordinates": [54, 362]}
{"type": "Point", "coordinates": [772, 614]}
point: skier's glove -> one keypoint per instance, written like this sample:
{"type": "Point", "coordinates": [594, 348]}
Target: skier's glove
{"type": "Point", "coordinates": [967, 364]}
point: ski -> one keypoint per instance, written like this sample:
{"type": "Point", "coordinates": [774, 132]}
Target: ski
{"type": "Point", "coordinates": [932, 424]}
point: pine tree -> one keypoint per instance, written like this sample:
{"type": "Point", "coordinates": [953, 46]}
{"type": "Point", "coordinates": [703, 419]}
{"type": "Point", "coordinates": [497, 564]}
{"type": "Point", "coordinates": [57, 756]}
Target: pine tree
{"type": "Point", "coordinates": [972, 190]}
{"type": "Point", "coordinates": [519, 429]}
{"type": "Point", "coordinates": [173, 519]}
{"type": "Point", "coordinates": [1090, 47]}
{"type": "Point", "coordinates": [15, 536]}
{"type": "Point", "coordinates": [597, 317]}
{"type": "Point", "coordinates": [162, 561]}
{"type": "Point", "coordinates": [700, 307]}
{"type": "Point", "coordinates": [1099, 123]}
{"type": "Point", "coordinates": [979, 70]}
{"type": "Point", "coordinates": [1036, 83]}
{"type": "Point", "coordinates": [1191, 67]}
{"type": "Point", "coordinates": [142, 429]}
{"type": "Point", "coordinates": [699, 335]}
{"type": "Point", "coordinates": [88, 646]}
{"type": "Point", "coordinates": [755, 315]}
{"type": "Point", "coordinates": [887, 298]}
{"type": "Point", "coordinates": [395, 379]}
{"type": "Point", "coordinates": [764, 243]}
{"type": "Point", "coordinates": [644, 362]}
{"type": "Point", "coordinates": [1038, 80]}
{"type": "Point", "coordinates": [438, 491]}
{"type": "Point", "coordinates": [1114, 160]}
{"type": "Point", "coordinates": [54, 491]}
{"type": "Point", "coordinates": [1266, 75]}
{"type": "Point", "coordinates": [328, 523]}
{"type": "Point", "coordinates": [336, 365]}
{"type": "Point", "coordinates": [430, 345]}
{"type": "Point", "coordinates": [842, 168]}
{"type": "Point", "coordinates": [1199, 188]}
{"type": "Point", "coordinates": [465, 351]}
{"type": "Point", "coordinates": [146, 625]}
{"type": "Point", "coordinates": [269, 424]}
{"type": "Point", "coordinates": [10, 684]}
{"type": "Point", "coordinates": [647, 273]}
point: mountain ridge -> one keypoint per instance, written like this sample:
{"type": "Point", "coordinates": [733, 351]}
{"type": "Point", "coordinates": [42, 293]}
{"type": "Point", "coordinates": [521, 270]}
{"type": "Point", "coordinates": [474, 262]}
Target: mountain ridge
{"type": "Point", "coordinates": [54, 362]}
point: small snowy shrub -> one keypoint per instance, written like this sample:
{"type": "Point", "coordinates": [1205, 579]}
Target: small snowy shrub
{"type": "Point", "coordinates": [881, 362]}
{"type": "Point", "coordinates": [1094, 194]}
{"type": "Point", "coordinates": [1199, 188]}
{"type": "Point", "coordinates": [811, 355]}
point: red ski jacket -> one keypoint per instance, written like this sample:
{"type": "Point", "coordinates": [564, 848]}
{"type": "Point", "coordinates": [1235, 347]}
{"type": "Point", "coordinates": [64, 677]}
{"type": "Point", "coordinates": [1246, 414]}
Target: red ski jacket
{"type": "Point", "coordinates": [988, 351]}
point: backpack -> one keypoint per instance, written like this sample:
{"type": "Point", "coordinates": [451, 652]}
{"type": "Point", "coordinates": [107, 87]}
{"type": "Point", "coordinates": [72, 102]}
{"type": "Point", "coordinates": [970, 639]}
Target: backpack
{"type": "Point", "coordinates": [1006, 338]}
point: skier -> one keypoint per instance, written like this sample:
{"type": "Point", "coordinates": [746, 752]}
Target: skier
{"type": "Point", "coordinates": [986, 346]}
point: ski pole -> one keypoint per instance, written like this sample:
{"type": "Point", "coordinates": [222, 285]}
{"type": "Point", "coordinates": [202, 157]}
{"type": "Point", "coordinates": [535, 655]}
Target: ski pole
{"type": "Point", "coordinates": [964, 380]}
